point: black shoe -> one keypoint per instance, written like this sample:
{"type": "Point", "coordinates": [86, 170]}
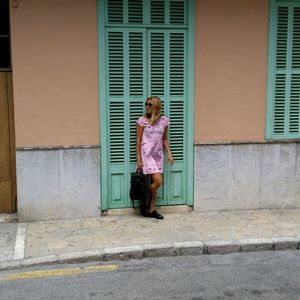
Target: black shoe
{"type": "Point", "coordinates": [155, 215]}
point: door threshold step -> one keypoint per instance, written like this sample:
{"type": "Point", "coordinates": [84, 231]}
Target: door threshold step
{"type": "Point", "coordinates": [161, 209]}
{"type": "Point", "coordinates": [8, 218]}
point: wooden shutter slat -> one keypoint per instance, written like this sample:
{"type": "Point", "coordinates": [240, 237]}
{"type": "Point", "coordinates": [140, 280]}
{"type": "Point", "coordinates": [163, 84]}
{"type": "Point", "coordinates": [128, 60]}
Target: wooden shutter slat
{"type": "Point", "coordinates": [136, 63]}
{"type": "Point", "coordinates": [115, 63]}
{"type": "Point", "coordinates": [296, 39]}
{"type": "Point", "coordinates": [115, 11]}
{"type": "Point", "coordinates": [294, 104]}
{"type": "Point", "coordinates": [157, 11]}
{"type": "Point", "coordinates": [177, 46]}
{"type": "Point", "coordinates": [279, 104]}
{"type": "Point", "coordinates": [135, 11]}
{"type": "Point", "coordinates": [177, 12]}
{"type": "Point", "coordinates": [282, 33]}
{"type": "Point", "coordinates": [157, 63]}
{"type": "Point", "coordinates": [116, 132]}
{"type": "Point", "coordinates": [177, 129]}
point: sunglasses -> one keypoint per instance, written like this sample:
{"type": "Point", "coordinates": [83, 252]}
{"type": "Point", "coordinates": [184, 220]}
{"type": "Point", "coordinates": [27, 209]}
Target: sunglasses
{"type": "Point", "coordinates": [148, 104]}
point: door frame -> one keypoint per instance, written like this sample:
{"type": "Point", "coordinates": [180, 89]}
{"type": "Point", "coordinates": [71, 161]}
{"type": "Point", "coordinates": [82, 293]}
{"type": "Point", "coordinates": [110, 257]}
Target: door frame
{"type": "Point", "coordinates": [8, 195]}
{"type": "Point", "coordinates": [189, 115]}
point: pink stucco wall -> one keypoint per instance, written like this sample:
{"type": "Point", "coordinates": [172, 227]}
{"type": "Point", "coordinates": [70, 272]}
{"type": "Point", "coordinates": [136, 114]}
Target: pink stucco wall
{"type": "Point", "coordinates": [231, 43]}
{"type": "Point", "coordinates": [55, 72]}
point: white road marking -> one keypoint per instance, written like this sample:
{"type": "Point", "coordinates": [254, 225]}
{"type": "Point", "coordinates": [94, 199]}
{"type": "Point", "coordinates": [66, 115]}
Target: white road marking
{"type": "Point", "coordinates": [20, 242]}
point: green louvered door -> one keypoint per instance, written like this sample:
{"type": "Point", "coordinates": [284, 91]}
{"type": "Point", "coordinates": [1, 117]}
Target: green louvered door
{"type": "Point", "coordinates": [141, 61]}
{"type": "Point", "coordinates": [284, 71]}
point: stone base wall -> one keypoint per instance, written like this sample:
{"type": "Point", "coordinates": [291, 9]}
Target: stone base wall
{"type": "Point", "coordinates": [247, 176]}
{"type": "Point", "coordinates": [65, 183]}
{"type": "Point", "coordinates": [58, 184]}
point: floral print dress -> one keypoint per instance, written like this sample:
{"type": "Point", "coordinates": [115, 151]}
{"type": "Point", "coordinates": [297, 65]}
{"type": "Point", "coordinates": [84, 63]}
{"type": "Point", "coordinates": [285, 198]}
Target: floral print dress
{"type": "Point", "coordinates": [152, 145]}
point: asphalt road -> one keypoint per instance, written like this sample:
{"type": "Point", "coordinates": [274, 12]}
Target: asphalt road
{"type": "Point", "coordinates": [255, 275]}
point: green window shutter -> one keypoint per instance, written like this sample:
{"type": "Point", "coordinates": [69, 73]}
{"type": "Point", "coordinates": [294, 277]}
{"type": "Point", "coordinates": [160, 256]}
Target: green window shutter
{"type": "Point", "coordinates": [284, 71]}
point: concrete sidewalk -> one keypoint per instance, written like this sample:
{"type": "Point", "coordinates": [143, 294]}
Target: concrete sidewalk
{"type": "Point", "coordinates": [123, 237]}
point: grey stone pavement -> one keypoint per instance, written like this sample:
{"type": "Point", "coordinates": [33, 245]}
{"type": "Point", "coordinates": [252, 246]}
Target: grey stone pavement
{"type": "Point", "coordinates": [7, 241]}
{"type": "Point", "coordinates": [132, 236]}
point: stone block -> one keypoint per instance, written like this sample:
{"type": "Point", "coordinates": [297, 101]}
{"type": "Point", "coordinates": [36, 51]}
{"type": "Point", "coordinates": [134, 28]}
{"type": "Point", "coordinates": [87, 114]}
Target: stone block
{"type": "Point", "coordinates": [243, 176]}
{"type": "Point", "coordinates": [81, 257]}
{"type": "Point", "coordinates": [158, 250]}
{"type": "Point", "coordinates": [297, 180]}
{"type": "Point", "coordinates": [58, 184]}
{"type": "Point", "coordinates": [79, 182]}
{"type": "Point", "coordinates": [210, 178]}
{"type": "Point", "coordinates": [123, 253]}
{"type": "Point", "coordinates": [38, 185]}
{"type": "Point", "coordinates": [34, 261]}
{"type": "Point", "coordinates": [285, 243]}
{"type": "Point", "coordinates": [222, 247]}
{"type": "Point", "coordinates": [278, 180]}
{"type": "Point", "coordinates": [188, 248]}
{"type": "Point", "coordinates": [260, 244]}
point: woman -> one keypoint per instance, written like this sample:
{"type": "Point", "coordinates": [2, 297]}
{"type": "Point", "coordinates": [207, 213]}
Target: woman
{"type": "Point", "coordinates": [152, 136]}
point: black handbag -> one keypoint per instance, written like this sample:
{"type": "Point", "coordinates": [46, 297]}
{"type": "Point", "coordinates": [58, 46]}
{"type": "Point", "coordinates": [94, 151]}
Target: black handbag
{"type": "Point", "coordinates": [139, 190]}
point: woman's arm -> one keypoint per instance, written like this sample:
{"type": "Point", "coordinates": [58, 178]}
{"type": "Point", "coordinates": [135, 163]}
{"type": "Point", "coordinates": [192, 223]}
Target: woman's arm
{"type": "Point", "coordinates": [139, 135]}
{"type": "Point", "coordinates": [167, 146]}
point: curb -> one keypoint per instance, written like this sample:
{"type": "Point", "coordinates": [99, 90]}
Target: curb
{"type": "Point", "coordinates": [161, 250]}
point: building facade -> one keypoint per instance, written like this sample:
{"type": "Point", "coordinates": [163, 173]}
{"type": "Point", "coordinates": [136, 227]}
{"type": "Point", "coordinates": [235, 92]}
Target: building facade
{"type": "Point", "coordinates": [228, 73]}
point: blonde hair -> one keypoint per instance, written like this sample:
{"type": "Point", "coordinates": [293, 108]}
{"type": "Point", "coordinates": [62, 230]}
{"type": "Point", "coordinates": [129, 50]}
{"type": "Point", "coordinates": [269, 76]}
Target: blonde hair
{"type": "Point", "coordinates": [156, 102]}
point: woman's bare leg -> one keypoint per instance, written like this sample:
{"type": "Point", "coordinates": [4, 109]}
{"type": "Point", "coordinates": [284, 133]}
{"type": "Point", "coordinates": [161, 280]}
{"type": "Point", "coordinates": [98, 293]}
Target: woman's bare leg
{"type": "Point", "coordinates": [157, 182]}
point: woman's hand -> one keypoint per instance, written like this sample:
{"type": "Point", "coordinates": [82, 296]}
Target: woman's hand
{"type": "Point", "coordinates": [170, 159]}
{"type": "Point", "coordinates": [139, 164]}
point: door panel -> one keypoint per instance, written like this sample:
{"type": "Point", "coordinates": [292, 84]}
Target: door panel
{"type": "Point", "coordinates": [126, 54]}
{"type": "Point", "coordinates": [167, 65]}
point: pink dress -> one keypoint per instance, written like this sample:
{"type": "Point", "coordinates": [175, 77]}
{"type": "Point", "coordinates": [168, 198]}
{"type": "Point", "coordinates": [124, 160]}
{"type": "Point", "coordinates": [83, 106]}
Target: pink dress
{"type": "Point", "coordinates": [152, 145]}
